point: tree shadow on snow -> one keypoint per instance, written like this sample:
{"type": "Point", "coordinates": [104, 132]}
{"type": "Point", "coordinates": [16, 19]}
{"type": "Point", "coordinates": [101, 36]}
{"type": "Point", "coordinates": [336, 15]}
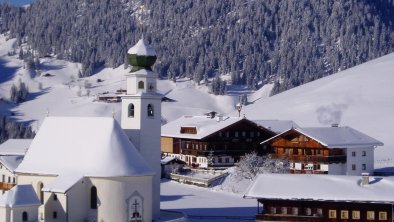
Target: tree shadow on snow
{"type": "Point", "coordinates": [6, 72]}
{"type": "Point", "coordinates": [164, 198]}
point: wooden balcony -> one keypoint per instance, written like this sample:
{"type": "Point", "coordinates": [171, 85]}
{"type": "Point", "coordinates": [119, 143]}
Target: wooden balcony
{"type": "Point", "coordinates": [312, 159]}
{"type": "Point", "coordinates": [6, 186]}
{"type": "Point", "coordinates": [282, 217]}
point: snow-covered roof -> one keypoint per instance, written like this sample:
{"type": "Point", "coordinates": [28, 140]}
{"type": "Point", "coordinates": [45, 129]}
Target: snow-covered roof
{"type": "Point", "coordinates": [336, 137]}
{"type": "Point", "coordinates": [204, 125]}
{"type": "Point", "coordinates": [87, 146]}
{"type": "Point", "coordinates": [11, 162]}
{"type": "Point", "coordinates": [142, 48]}
{"type": "Point", "coordinates": [15, 146]}
{"type": "Point", "coordinates": [277, 126]}
{"type": "Point", "coordinates": [169, 159]}
{"type": "Point", "coordinates": [20, 195]}
{"type": "Point", "coordinates": [321, 187]}
{"type": "Point", "coordinates": [62, 183]}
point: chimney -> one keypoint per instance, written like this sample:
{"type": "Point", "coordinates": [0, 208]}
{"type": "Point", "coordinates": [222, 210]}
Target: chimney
{"type": "Point", "coordinates": [334, 125]}
{"type": "Point", "coordinates": [364, 179]}
{"type": "Point", "coordinates": [219, 118]}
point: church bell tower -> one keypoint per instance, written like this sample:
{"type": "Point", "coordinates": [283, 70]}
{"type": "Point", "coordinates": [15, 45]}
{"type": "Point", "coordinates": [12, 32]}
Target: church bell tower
{"type": "Point", "coordinates": [141, 111]}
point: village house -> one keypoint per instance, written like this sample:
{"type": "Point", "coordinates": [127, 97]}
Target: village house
{"type": "Point", "coordinates": [318, 198]}
{"type": "Point", "coordinates": [325, 150]}
{"type": "Point", "coordinates": [12, 152]}
{"type": "Point", "coordinates": [215, 140]}
{"type": "Point", "coordinates": [92, 168]}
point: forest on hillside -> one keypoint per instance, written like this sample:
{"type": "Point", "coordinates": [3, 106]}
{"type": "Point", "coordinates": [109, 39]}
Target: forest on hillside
{"type": "Point", "coordinates": [255, 42]}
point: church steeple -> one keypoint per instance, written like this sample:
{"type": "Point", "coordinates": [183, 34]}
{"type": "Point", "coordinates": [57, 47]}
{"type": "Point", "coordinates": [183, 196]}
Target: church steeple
{"type": "Point", "coordinates": [141, 111]}
{"type": "Point", "coordinates": [141, 56]}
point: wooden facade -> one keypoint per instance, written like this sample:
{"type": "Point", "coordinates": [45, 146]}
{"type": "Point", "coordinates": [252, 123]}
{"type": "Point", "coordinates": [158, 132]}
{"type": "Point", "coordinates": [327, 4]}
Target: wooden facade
{"type": "Point", "coordinates": [235, 140]}
{"type": "Point", "coordinates": [299, 148]}
{"type": "Point", "coordinates": [319, 211]}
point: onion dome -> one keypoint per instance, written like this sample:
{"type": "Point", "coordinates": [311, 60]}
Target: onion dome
{"type": "Point", "coordinates": [141, 56]}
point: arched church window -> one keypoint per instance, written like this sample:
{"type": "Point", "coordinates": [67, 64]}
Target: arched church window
{"type": "Point", "coordinates": [93, 198]}
{"type": "Point", "coordinates": [25, 217]}
{"type": "Point", "coordinates": [141, 85]}
{"type": "Point", "coordinates": [131, 110]}
{"type": "Point", "coordinates": [150, 110]}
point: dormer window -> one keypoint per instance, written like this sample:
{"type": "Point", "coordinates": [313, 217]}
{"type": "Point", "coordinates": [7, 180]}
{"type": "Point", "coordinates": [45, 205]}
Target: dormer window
{"type": "Point", "coordinates": [130, 110]}
{"type": "Point", "coordinates": [150, 110]}
{"type": "Point", "coordinates": [141, 85]}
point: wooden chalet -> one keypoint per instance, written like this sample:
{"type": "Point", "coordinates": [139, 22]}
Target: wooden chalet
{"type": "Point", "coordinates": [325, 150]}
{"type": "Point", "coordinates": [209, 141]}
{"type": "Point", "coordinates": [318, 198]}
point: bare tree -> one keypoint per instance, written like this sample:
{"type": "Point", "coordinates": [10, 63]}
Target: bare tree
{"type": "Point", "coordinates": [251, 164]}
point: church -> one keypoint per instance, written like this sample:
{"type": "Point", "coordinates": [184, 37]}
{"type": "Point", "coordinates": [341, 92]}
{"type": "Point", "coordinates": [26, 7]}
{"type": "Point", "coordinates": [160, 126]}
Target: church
{"type": "Point", "coordinates": [93, 168]}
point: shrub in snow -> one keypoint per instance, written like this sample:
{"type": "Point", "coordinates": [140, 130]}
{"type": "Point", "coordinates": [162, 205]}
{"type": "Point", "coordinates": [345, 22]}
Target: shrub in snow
{"type": "Point", "coordinates": [19, 93]}
{"type": "Point", "coordinates": [251, 164]}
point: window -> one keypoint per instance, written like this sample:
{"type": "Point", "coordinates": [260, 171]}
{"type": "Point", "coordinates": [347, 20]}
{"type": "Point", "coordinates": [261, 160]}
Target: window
{"type": "Point", "coordinates": [54, 196]}
{"type": "Point", "coordinates": [25, 217]}
{"type": "Point", "coordinates": [150, 110]}
{"type": "Point", "coordinates": [364, 153]}
{"type": "Point", "coordinates": [220, 134]}
{"type": "Point", "coordinates": [344, 214]}
{"type": "Point", "coordinates": [227, 134]}
{"type": "Point", "coordinates": [251, 134]}
{"type": "Point", "coordinates": [93, 198]}
{"type": "Point", "coordinates": [273, 210]}
{"type": "Point", "coordinates": [356, 214]}
{"type": "Point", "coordinates": [370, 215]}
{"type": "Point", "coordinates": [382, 215]}
{"type": "Point", "coordinates": [319, 212]}
{"type": "Point", "coordinates": [364, 166]}
{"type": "Point", "coordinates": [3, 179]}
{"type": "Point", "coordinates": [353, 153]}
{"type": "Point", "coordinates": [308, 211]}
{"type": "Point", "coordinates": [40, 185]}
{"type": "Point", "coordinates": [54, 215]}
{"type": "Point", "coordinates": [236, 134]}
{"type": "Point", "coordinates": [284, 210]}
{"type": "Point", "coordinates": [141, 85]}
{"type": "Point", "coordinates": [220, 160]}
{"type": "Point", "coordinates": [353, 166]}
{"type": "Point", "coordinates": [243, 133]}
{"type": "Point", "coordinates": [332, 214]}
{"type": "Point", "coordinates": [227, 160]}
{"type": "Point", "coordinates": [9, 179]}
{"type": "Point", "coordinates": [131, 110]}
{"type": "Point", "coordinates": [295, 211]}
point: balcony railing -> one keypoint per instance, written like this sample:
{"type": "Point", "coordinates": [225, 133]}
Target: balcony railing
{"type": "Point", "coordinates": [314, 159]}
{"type": "Point", "coordinates": [6, 186]}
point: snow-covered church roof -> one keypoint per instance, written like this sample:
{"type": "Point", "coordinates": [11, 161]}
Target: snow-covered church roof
{"type": "Point", "coordinates": [142, 48]}
{"type": "Point", "coordinates": [18, 196]}
{"type": "Point", "coordinates": [83, 146]}
{"type": "Point", "coordinates": [15, 146]}
{"type": "Point", "coordinates": [335, 137]}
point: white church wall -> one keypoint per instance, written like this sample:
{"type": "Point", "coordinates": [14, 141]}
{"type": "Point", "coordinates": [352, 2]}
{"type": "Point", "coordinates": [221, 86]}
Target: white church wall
{"type": "Point", "coordinates": [79, 196]}
{"type": "Point", "coordinates": [55, 206]}
{"type": "Point", "coordinates": [116, 193]}
{"type": "Point", "coordinates": [16, 213]}
{"type": "Point", "coordinates": [5, 214]}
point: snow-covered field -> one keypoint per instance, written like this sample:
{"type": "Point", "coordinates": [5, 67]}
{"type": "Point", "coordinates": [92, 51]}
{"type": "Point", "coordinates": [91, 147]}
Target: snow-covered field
{"type": "Point", "coordinates": [200, 203]}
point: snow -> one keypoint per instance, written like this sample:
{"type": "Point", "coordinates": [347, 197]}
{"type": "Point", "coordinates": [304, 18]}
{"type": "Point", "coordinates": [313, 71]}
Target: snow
{"type": "Point", "coordinates": [360, 97]}
{"type": "Point", "coordinates": [88, 146]}
{"type": "Point", "coordinates": [11, 162]}
{"type": "Point", "coordinates": [15, 147]}
{"type": "Point", "coordinates": [205, 126]}
{"type": "Point", "coordinates": [169, 159]}
{"type": "Point", "coordinates": [198, 201]}
{"type": "Point", "coordinates": [142, 48]}
{"type": "Point", "coordinates": [321, 187]}
{"type": "Point", "coordinates": [18, 196]}
{"type": "Point", "coordinates": [277, 126]}
{"type": "Point", "coordinates": [62, 183]}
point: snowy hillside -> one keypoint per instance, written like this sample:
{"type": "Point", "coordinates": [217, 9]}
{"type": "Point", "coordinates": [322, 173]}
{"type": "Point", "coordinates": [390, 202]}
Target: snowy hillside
{"type": "Point", "coordinates": [361, 97]}
{"type": "Point", "coordinates": [63, 94]}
